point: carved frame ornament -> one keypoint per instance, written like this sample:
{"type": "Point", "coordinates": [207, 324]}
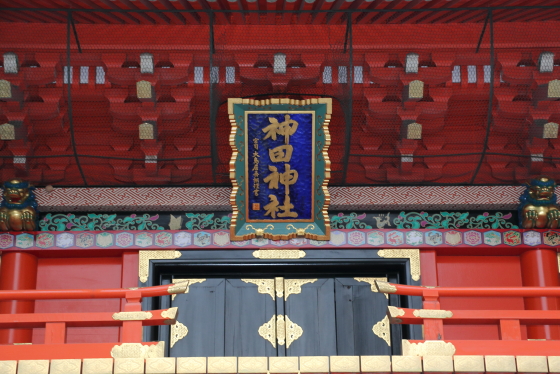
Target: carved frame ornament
{"type": "Point", "coordinates": [243, 227]}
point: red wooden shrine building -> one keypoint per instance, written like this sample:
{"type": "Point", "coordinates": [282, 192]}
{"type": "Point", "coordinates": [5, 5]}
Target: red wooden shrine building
{"type": "Point", "coordinates": [118, 112]}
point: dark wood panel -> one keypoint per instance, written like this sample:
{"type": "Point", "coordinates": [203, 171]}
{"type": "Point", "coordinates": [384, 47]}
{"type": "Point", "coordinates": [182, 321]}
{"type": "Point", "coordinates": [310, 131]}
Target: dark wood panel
{"type": "Point", "coordinates": [246, 311]}
{"type": "Point", "coordinates": [313, 310]}
{"type": "Point", "coordinates": [202, 310]}
{"type": "Point", "coordinates": [358, 309]}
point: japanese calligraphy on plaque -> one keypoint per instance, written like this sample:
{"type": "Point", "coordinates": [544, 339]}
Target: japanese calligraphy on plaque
{"type": "Point", "coordinates": [280, 168]}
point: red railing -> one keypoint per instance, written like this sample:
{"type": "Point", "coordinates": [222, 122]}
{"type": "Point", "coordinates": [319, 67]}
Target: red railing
{"type": "Point", "coordinates": [433, 318]}
{"type": "Point", "coordinates": [131, 320]}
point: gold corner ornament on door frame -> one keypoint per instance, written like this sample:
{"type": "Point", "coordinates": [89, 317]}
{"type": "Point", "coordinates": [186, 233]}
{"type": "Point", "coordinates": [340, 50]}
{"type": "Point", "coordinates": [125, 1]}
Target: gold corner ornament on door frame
{"type": "Point", "coordinates": [280, 329]}
{"type": "Point", "coordinates": [371, 282]}
{"type": "Point", "coordinates": [279, 287]}
{"type": "Point", "coordinates": [189, 282]}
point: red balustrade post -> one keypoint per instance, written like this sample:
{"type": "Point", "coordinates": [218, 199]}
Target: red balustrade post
{"type": "Point", "coordinates": [539, 268]}
{"type": "Point", "coordinates": [18, 271]}
{"type": "Point", "coordinates": [55, 333]}
{"type": "Point", "coordinates": [433, 328]}
{"type": "Point", "coordinates": [132, 330]}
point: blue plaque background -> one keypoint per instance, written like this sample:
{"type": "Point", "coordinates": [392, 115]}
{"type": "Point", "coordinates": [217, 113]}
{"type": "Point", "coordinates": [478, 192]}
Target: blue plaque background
{"type": "Point", "coordinates": [301, 193]}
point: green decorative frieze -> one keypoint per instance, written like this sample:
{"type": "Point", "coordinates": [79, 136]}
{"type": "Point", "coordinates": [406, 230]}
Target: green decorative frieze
{"type": "Point", "coordinates": [222, 221]}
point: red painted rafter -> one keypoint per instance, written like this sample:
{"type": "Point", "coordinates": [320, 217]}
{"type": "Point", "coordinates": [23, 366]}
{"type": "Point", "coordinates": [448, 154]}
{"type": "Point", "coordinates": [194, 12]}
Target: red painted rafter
{"type": "Point", "coordinates": [368, 17]}
{"type": "Point", "coordinates": [544, 16]}
{"type": "Point", "coordinates": [140, 15]}
{"type": "Point", "coordinates": [318, 18]}
{"type": "Point", "coordinates": [219, 17]}
{"type": "Point", "coordinates": [88, 15]}
{"type": "Point", "coordinates": [81, 17]}
{"type": "Point", "coordinates": [513, 15]}
{"type": "Point", "coordinates": [304, 17]}
{"type": "Point", "coordinates": [166, 20]}
{"type": "Point", "coordinates": [193, 18]}
{"type": "Point", "coordinates": [178, 16]}
{"type": "Point", "coordinates": [111, 5]}
{"type": "Point", "coordinates": [45, 16]}
{"type": "Point", "coordinates": [338, 16]}
{"type": "Point", "coordinates": [266, 6]}
{"type": "Point", "coordinates": [236, 17]}
{"type": "Point", "coordinates": [288, 6]}
{"type": "Point", "coordinates": [411, 18]}
{"type": "Point", "coordinates": [477, 16]}
{"type": "Point", "coordinates": [389, 16]}
{"type": "Point", "coordinates": [429, 17]}
{"type": "Point", "coordinates": [442, 17]}
{"type": "Point", "coordinates": [20, 17]}
{"type": "Point", "coordinates": [105, 15]}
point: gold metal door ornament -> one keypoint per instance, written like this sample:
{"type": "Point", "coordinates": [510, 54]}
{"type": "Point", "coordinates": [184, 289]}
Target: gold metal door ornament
{"type": "Point", "coordinates": [371, 281]}
{"type": "Point", "coordinates": [264, 286]}
{"type": "Point", "coordinates": [284, 254]}
{"type": "Point", "coordinates": [189, 282]}
{"type": "Point", "coordinates": [293, 286]}
{"type": "Point", "coordinates": [268, 331]}
{"type": "Point", "coordinates": [280, 287]}
{"type": "Point", "coordinates": [412, 254]}
{"type": "Point", "coordinates": [280, 329]}
{"type": "Point", "coordinates": [383, 330]}
{"type": "Point", "coordinates": [144, 258]}
{"type": "Point", "coordinates": [178, 332]}
{"type": "Point", "coordinates": [293, 332]}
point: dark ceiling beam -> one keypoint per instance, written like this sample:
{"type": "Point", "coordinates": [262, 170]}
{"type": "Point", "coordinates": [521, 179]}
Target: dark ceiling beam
{"type": "Point", "coordinates": [477, 15]}
{"type": "Point", "coordinates": [368, 17]}
{"type": "Point", "coordinates": [221, 17]}
{"type": "Point", "coordinates": [80, 17]}
{"type": "Point", "coordinates": [429, 17]}
{"type": "Point", "coordinates": [19, 17]}
{"type": "Point", "coordinates": [46, 16]}
{"type": "Point", "coordinates": [362, 5]}
{"type": "Point", "coordinates": [111, 5]}
{"type": "Point", "coordinates": [167, 4]}
{"type": "Point", "coordinates": [546, 15]}
{"type": "Point", "coordinates": [93, 16]}
{"type": "Point", "coordinates": [5, 18]}
{"type": "Point", "coordinates": [453, 16]}
{"type": "Point", "coordinates": [317, 18]}
{"type": "Point", "coordinates": [334, 18]}
{"type": "Point", "coordinates": [385, 17]}
{"type": "Point", "coordinates": [441, 16]}
{"type": "Point", "coordinates": [413, 16]}
{"type": "Point", "coordinates": [147, 17]}
{"type": "Point", "coordinates": [192, 18]}
{"type": "Point", "coordinates": [107, 16]}
{"type": "Point", "coordinates": [519, 15]}
{"type": "Point", "coordinates": [148, 4]}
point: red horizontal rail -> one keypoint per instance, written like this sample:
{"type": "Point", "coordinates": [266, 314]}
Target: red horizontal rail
{"type": "Point", "coordinates": [400, 289]}
{"type": "Point", "coordinates": [474, 317]}
{"type": "Point", "coordinates": [109, 293]}
{"type": "Point", "coordinates": [37, 320]}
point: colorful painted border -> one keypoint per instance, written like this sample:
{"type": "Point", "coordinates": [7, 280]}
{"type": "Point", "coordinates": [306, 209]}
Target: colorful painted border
{"type": "Point", "coordinates": [220, 239]}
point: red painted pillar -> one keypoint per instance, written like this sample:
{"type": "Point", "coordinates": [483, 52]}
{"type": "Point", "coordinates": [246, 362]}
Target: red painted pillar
{"type": "Point", "coordinates": [17, 272]}
{"type": "Point", "coordinates": [539, 268]}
